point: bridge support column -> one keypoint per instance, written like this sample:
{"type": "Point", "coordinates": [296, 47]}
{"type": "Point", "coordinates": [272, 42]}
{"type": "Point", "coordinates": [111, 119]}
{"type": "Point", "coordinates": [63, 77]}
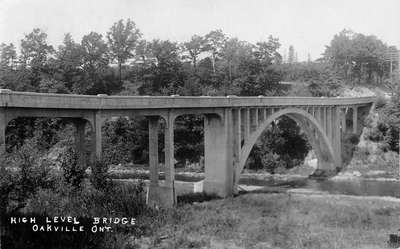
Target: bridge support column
{"type": "Point", "coordinates": [80, 125]}
{"type": "Point", "coordinates": [155, 194]}
{"type": "Point", "coordinates": [317, 114]}
{"type": "Point", "coordinates": [96, 123]}
{"type": "Point", "coordinates": [255, 119]}
{"type": "Point", "coordinates": [218, 155]}
{"type": "Point", "coordinates": [3, 125]}
{"type": "Point", "coordinates": [153, 150]}
{"type": "Point", "coordinates": [355, 119]}
{"type": "Point", "coordinates": [329, 128]}
{"type": "Point", "coordinates": [245, 120]}
{"type": "Point", "coordinates": [324, 118]}
{"type": "Point", "coordinates": [262, 115]}
{"type": "Point", "coordinates": [337, 136]}
{"type": "Point", "coordinates": [237, 142]}
{"type": "Point", "coordinates": [349, 120]}
{"type": "Point", "coordinates": [166, 192]}
{"type": "Point", "coordinates": [343, 120]}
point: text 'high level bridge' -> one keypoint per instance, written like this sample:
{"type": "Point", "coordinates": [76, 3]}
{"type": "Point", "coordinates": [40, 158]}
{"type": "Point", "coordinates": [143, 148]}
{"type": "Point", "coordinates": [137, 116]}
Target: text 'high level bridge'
{"type": "Point", "coordinates": [231, 127]}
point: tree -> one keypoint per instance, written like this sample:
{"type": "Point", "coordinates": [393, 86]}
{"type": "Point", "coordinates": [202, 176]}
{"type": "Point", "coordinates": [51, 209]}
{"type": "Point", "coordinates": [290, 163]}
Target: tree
{"type": "Point", "coordinates": [94, 51]}
{"type": "Point", "coordinates": [215, 41]}
{"type": "Point", "coordinates": [195, 46]}
{"type": "Point", "coordinates": [357, 56]}
{"type": "Point", "coordinates": [122, 40]}
{"type": "Point", "coordinates": [8, 75]}
{"type": "Point", "coordinates": [282, 145]}
{"type": "Point", "coordinates": [69, 62]}
{"type": "Point", "coordinates": [267, 52]}
{"type": "Point", "coordinates": [143, 51]}
{"type": "Point", "coordinates": [34, 55]}
{"type": "Point", "coordinates": [95, 62]}
{"type": "Point", "coordinates": [164, 75]}
{"type": "Point", "coordinates": [8, 56]}
{"type": "Point", "coordinates": [392, 119]}
{"type": "Point", "coordinates": [34, 49]}
{"type": "Point", "coordinates": [230, 52]}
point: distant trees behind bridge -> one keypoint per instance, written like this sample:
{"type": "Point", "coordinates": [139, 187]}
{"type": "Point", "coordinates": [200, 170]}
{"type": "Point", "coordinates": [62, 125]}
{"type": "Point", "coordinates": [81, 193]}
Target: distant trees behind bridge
{"type": "Point", "coordinates": [123, 62]}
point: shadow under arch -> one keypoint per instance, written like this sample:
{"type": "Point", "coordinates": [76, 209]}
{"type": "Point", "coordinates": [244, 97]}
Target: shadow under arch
{"type": "Point", "coordinates": [314, 132]}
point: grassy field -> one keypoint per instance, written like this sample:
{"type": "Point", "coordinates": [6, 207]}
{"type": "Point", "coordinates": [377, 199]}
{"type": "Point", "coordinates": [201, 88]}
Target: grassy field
{"type": "Point", "coordinates": [277, 221]}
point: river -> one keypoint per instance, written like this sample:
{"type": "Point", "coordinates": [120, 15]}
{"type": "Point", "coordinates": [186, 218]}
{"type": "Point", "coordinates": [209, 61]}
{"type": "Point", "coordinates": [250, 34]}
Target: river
{"type": "Point", "coordinates": [354, 186]}
{"type": "Point", "coordinates": [351, 186]}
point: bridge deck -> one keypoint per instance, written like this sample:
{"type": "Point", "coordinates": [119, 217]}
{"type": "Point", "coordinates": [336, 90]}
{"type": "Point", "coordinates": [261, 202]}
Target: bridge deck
{"type": "Point", "coordinates": [69, 101]}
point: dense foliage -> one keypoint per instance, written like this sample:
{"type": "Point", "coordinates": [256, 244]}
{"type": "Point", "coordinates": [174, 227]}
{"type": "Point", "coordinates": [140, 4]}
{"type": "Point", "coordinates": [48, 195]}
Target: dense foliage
{"type": "Point", "coordinates": [388, 129]}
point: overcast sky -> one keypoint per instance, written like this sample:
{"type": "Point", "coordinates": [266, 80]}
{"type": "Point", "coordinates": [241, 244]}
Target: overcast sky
{"type": "Point", "coordinates": [308, 25]}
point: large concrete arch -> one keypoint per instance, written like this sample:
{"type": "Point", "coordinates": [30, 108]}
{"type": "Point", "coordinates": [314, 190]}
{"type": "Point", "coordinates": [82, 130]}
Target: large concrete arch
{"type": "Point", "coordinates": [307, 122]}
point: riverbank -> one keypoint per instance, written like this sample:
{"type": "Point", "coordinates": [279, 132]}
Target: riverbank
{"type": "Point", "coordinates": [284, 220]}
{"type": "Point", "coordinates": [259, 176]}
{"type": "Point", "coordinates": [371, 175]}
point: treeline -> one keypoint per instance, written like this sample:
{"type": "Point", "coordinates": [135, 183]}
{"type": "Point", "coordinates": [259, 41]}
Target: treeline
{"type": "Point", "coordinates": [350, 59]}
{"type": "Point", "coordinates": [123, 62]}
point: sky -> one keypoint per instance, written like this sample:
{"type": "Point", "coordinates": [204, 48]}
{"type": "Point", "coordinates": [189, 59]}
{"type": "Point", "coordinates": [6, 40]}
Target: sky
{"type": "Point", "coordinates": [308, 25]}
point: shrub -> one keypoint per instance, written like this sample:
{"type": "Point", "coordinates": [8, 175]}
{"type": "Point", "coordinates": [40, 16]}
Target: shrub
{"type": "Point", "coordinates": [99, 176]}
{"type": "Point", "coordinates": [29, 173]}
{"type": "Point", "coordinates": [381, 101]}
{"type": "Point", "coordinates": [272, 161]}
{"type": "Point", "coordinates": [73, 172]}
{"type": "Point", "coordinates": [125, 140]}
{"type": "Point", "coordinates": [349, 144]}
{"type": "Point", "coordinates": [7, 184]}
{"type": "Point", "coordinates": [195, 197]}
{"type": "Point", "coordinates": [377, 134]}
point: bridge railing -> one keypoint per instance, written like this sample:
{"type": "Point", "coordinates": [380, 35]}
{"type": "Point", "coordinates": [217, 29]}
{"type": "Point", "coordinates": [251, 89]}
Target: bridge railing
{"type": "Point", "coordinates": [72, 101]}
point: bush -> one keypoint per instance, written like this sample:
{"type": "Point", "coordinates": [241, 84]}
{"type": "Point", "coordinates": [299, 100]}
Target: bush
{"type": "Point", "coordinates": [349, 144]}
{"type": "Point", "coordinates": [282, 145]}
{"type": "Point", "coordinates": [7, 184]}
{"type": "Point", "coordinates": [376, 134]}
{"type": "Point", "coordinates": [124, 200]}
{"type": "Point", "coordinates": [24, 174]}
{"type": "Point", "coordinates": [381, 101]}
{"type": "Point", "coordinates": [272, 162]}
{"type": "Point", "coordinates": [330, 89]}
{"type": "Point", "coordinates": [73, 172]}
{"type": "Point", "coordinates": [99, 176]}
{"type": "Point", "coordinates": [125, 141]}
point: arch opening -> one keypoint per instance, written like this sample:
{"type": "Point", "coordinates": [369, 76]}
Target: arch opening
{"type": "Point", "coordinates": [311, 130]}
{"type": "Point", "coordinates": [282, 146]}
{"type": "Point", "coordinates": [48, 139]}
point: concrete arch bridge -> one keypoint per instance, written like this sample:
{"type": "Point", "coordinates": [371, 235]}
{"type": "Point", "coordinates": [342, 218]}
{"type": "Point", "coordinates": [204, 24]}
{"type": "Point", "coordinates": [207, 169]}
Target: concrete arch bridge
{"type": "Point", "coordinates": [231, 127]}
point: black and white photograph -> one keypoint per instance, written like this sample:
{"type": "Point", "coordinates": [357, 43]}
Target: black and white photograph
{"type": "Point", "coordinates": [205, 124]}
